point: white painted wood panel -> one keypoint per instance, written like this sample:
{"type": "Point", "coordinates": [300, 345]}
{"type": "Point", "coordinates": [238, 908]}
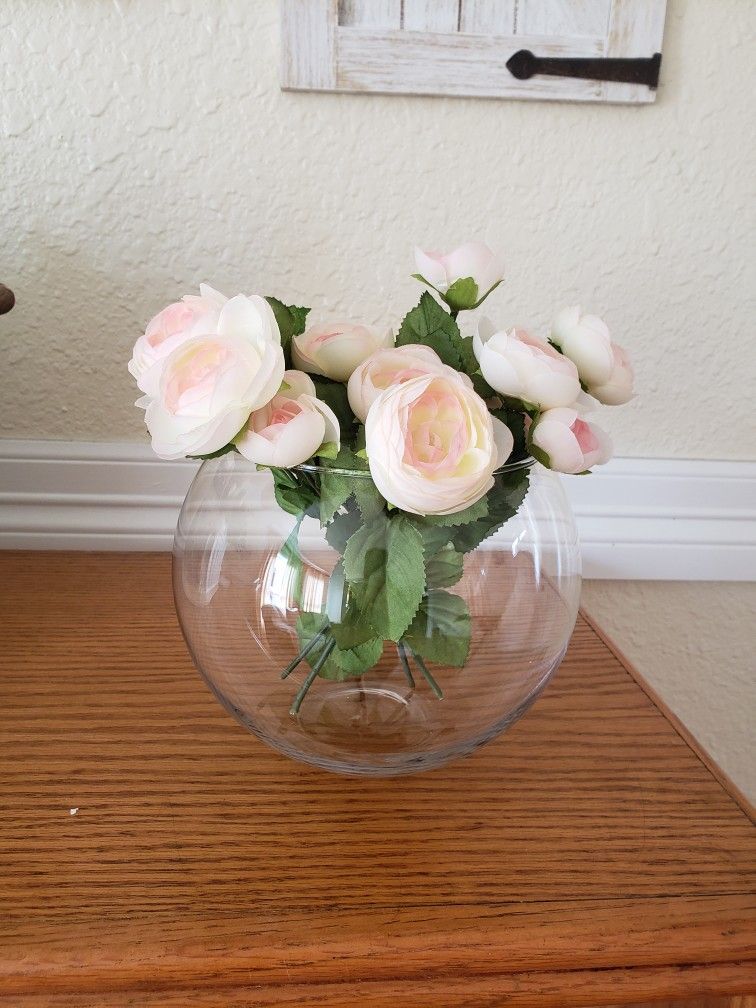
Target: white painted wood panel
{"type": "Point", "coordinates": [431, 15]}
{"type": "Point", "coordinates": [460, 47]}
{"type": "Point", "coordinates": [416, 63]}
{"type": "Point", "coordinates": [563, 17]}
{"type": "Point", "coordinates": [308, 30]}
{"type": "Point", "coordinates": [370, 13]}
{"type": "Point", "coordinates": [636, 28]}
{"type": "Point", "coordinates": [487, 17]}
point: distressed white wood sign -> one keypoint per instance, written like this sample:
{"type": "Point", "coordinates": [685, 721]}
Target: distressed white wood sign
{"type": "Point", "coordinates": [461, 47]}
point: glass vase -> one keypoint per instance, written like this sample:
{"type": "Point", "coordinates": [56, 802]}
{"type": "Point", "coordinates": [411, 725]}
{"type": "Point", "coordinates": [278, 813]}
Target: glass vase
{"type": "Point", "coordinates": [278, 611]}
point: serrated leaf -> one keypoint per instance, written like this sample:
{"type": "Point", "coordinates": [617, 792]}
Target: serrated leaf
{"type": "Point", "coordinates": [441, 630]}
{"type": "Point", "coordinates": [291, 320]}
{"type": "Point", "coordinates": [430, 325]}
{"type": "Point", "coordinates": [342, 663]}
{"type": "Point", "coordinates": [369, 500]}
{"type": "Point", "coordinates": [469, 514]}
{"type": "Point", "coordinates": [334, 491]}
{"type": "Point", "coordinates": [490, 290]}
{"type": "Point", "coordinates": [343, 527]}
{"type": "Point", "coordinates": [384, 565]}
{"type": "Point", "coordinates": [291, 495]}
{"type": "Point", "coordinates": [334, 394]}
{"type": "Point", "coordinates": [503, 500]}
{"type": "Point", "coordinates": [216, 454]}
{"type": "Point", "coordinates": [462, 294]}
{"type": "Point", "coordinates": [444, 568]}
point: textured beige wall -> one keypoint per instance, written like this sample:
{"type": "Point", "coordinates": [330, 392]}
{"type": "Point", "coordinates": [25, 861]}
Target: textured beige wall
{"type": "Point", "coordinates": [146, 146]}
{"type": "Point", "coordinates": [695, 644]}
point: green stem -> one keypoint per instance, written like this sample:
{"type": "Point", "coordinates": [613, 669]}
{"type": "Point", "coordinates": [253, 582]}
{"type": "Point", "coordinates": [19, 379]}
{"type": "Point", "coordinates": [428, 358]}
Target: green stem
{"type": "Point", "coordinates": [304, 652]}
{"type": "Point", "coordinates": [424, 669]}
{"type": "Point", "coordinates": [312, 676]}
{"type": "Point", "coordinates": [405, 664]}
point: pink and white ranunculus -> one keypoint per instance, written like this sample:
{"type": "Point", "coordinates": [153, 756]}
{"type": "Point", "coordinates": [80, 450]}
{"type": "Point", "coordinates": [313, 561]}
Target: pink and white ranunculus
{"type": "Point", "coordinates": [193, 315]}
{"type": "Point", "coordinates": [335, 349]}
{"type": "Point", "coordinates": [618, 388]}
{"type": "Point", "coordinates": [291, 427]}
{"type": "Point", "coordinates": [570, 444]}
{"type": "Point", "coordinates": [473, 259]}
{"type": "Point", "coordinates": [525, 367]}
{"type": "Point", "coordinates": [393, 367]}
{"type": "Point", "coordinates": [586, 341]}
{"type": "Point", "coordinates": [209, 385]}
{"type": "Point", "coordinates": [433, 446]}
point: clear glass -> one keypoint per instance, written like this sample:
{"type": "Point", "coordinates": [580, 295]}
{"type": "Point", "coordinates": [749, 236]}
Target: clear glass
{"type": "Point", "coordinates": [240, 594]}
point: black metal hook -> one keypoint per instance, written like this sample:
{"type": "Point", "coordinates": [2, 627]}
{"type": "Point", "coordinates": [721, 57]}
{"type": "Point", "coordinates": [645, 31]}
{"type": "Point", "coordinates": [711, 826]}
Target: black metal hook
{"type": "Point", "coordinates": [7, 299]}
{"type": "Point", "coordinates": [524, 64]}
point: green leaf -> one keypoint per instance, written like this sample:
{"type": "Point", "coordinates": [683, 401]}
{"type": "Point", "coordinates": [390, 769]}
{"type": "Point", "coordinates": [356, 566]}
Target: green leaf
{"type": "Point", "coordinates": [334, 491]}
{"type": "Point", "coordinates": [490, 290]}
{"type": "Point", "coordinates": [430, 325]}
{"type": "Point", "coordinates": [293, 560]}
{"type": "Point", "coordinates": [462, 294]}
{"type": "Point", "coordinates": [444, 568]}
{"type": "Point", "coordinates": [216, 454]}
{"type": "Point", "coordinates": [328, 450]}
{"type": "Point", "coordinates": [342, 663]}
{"type": "Point", "coordinates": [384, 565]}
{"type": "Point", "coordinates": [515, 420]}
{"type": "Point", "coordinates": [441, 630]}
{"type": "Point", "coordinates": [334, 394]}
{"type": "Point", "coordinates": [503, 500]}
{"type": "Point", "coordinates": [369, 500]}
{"type": "Point", "coordinates": [292, 321]}
{"type": "Point", "coordinates": [343, 527]}
{"type": "Point", "coordinates": [472, 513]}
{"type": "Point", "coordinates": [291, 495]}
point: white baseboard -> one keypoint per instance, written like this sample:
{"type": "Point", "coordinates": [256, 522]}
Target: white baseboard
{"type": "Point", "coordinates": [655, 519]}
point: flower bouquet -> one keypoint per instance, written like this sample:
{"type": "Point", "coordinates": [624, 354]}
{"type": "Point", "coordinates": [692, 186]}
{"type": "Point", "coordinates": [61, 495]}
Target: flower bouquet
{"type": "Point", "coordinates": [409, 450]}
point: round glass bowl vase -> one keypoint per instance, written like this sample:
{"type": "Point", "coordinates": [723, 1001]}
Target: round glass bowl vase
{"type": "Point", "coordinates": [256, 586]}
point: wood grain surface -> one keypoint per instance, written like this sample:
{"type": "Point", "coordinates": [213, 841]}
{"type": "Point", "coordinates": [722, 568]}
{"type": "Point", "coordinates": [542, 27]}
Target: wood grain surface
{"type": "Point", "coordinates": [587, 857]}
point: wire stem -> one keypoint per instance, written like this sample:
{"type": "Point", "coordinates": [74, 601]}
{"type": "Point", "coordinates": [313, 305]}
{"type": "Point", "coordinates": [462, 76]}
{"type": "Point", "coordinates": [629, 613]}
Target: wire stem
{"type": "Point", "coordinates": [424, 669]}
{"type": "Point", "coordinates": [311, 677]}
{"type": "Point", "coordinates": [405, 664]}
{"type": "Point", "coordinates": [304, 652]}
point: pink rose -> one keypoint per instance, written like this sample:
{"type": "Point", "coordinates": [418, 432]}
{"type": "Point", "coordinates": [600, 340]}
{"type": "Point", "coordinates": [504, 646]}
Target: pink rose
{"type": "Point", "coordinates": [433, 446]}
{"type": "Point", "coordinates": [525, 367]}
{"type": "Point", "coordinates": [191, 316]}
{"type": "Point", "coordinates": [291, 427]}
{"type": "Point", "coordinates": [473, 259]}
{"type": "Point", "coordinates": [209, 384]}
{"type": "Point", "coordinates": [618, 387]}
{"type": "Point", "coordinates": [563, 441]}
{"type": "Point", "coordinates": [335, 349]}
{"type": "Point", "coordinates": [392, 367]}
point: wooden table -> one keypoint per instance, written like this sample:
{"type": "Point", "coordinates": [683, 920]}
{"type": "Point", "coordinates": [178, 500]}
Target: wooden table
{"type": "Point", "coordinates": [152, 853]}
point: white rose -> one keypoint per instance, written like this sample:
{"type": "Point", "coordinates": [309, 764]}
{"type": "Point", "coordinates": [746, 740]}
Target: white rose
{"type": "Point", "coordinates": [291, 427]}
{"type": "Point", "coordinates": [618, 388]}
{"type": "Point", "coordinates": [335, 349]}
{"type": "Point", "coordinates": [524, 367]}
{"type": "Point", "coordinates": [191, 316]}
{"type": "Point", "coordinates": [569, 443]}
{"type": "Point", "coordinates": [473, 259]}
{"type": "Point", "coordinates": [209, 385]}
{"type": "Point", "coordinates": [586, 341]}
{"type": "Point", "coordinates": [433, 446]}
{"type": "Point", "coordinates": [392, 367]}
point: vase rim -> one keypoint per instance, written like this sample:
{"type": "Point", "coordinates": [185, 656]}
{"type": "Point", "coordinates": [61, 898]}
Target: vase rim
{"type": "Point", "coordinates": [508, 467]}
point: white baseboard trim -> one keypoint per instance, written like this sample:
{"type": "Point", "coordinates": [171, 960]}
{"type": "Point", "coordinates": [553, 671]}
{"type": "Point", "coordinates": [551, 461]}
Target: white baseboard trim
{"type": "Point", "coordinates": [655, 519]}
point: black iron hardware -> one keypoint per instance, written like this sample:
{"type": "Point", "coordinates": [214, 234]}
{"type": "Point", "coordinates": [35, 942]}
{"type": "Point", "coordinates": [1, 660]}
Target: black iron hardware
{"type": "Point", "coordinates": [7, 299]}
{"type": "Point", "coordinates": [524, 64]}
